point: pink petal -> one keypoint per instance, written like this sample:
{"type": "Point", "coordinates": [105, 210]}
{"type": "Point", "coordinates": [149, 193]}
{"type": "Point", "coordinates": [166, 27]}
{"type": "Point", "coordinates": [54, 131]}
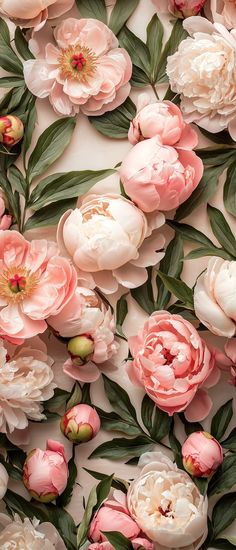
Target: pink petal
{"type": "Point", "coordinates": [85, 373]}
{"type": "Point", "coordinates": [199, 407]}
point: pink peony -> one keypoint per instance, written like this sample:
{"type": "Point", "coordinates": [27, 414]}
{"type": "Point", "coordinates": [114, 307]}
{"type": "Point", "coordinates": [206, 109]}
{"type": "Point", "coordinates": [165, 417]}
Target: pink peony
{"type": "Point", "coordinates": [11, 130]}
{"type": "Point", "coordinates": [114, 516]}
{"type": "Point", "coordinates": [35, 283]}
{"type": "Point", "coordinates": [5, 219]}
{"type": "Point", "coordinates": [222, 11]}
{"type": "Point", "coordinates": [85, 69]}
{"type": "Point", "coordinates": [34, 13]}
{"type": "Point", "coordinates": [80, 423]}
{"type": "Point", "coordinates": [45, 473]}
{"type": "Point", "coordinates": [160, 177]}
{"type": "Point", "coordinates": [172, 363]}
{"type": "Point", "coordinates": [202, 454]}
{"type": "Point", "coordinates": [179, 8]}
{"type": "Point", "coordinates": [164, 120]}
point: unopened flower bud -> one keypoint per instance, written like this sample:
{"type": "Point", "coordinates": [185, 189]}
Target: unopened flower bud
{"type": "Point", "coordinates": [80, 424]}
{"type": "Point", "coordinates": [202, 454]}
{"type": "Point", "coordinates": [80, 349]}
{"type": "Point", "coordinates": [11, 130]}
{"type": "Point", "coordinates": [186, 8]}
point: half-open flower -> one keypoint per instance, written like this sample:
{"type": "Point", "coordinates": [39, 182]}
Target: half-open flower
{"type": "Point", "coordinates": [28, 13]}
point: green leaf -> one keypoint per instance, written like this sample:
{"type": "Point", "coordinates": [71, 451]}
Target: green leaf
{"type": "Point", "coordinates": [12, 100]}
{"type": "Point", "coordinates": [147, 410]}
{"type": "Point", "coordinates": [95, 499]}
{"type": "Point", "coordinates": [120, 13]}
{"type": "Point", "coordinates": [221, 230]}
{"type": "Point", "coordinates": [4, 32]}
{"type": "Point", "coordinates": [117, 483]}
{"type": "Point", "coordinates": [203, 192]}
{"type": "Point", "coordinates": [225, 477]}
{"type": "Point", "coordinates": [18, 505]}
{"type": "Point", "coordinates": [216, 156]}
{"type": "Point", "coordinates": [103, 490]}
{"type": "Point", "coordinates": [137, 50]}
{"type": "Point", "coordinates": [178, 34]}
{"type": "Point", "coordinates": [50, 214]}
{"type": "Point", "coordinates": [75, 396]}
{"type": "Point", "coordinates": [96, 9]}
{"type": "Point", "coordinates": [115, 124]}
{"type": "Point", "coordinates": [22, 45]}
{"type": "Point", "coordinates": [29, 126]}
{"type": "Point", "coordinates": [119, 400]}
{"type": "Point", "coordinates": [202, 484]}
{"type": "Point", "coordinates": [190, 427]}
{"type": "Point", "coordinates": [230, 442]}
{"type": "Point", "coordinates": [189, 233]}
{"type": "Point", "coordinates": [144, 294]}
{"type": "Point", "coordinates": [155, 33]}
{"type": "Point", "coordinates": [179, 289]}
{"type": "Point", "coordinates": [17, 180]}
{"type": "Point", "coordinates": [172, 265]}
{"type": "Point", "coordinates": [50, 146]}
{"type": "Point", "coordinates": [14, 473]}
{"type": "Point", "coordinates": [65, 498]}
{"type": "Point", "coordinates": [57, 401]}
{"type": "Point", "coordinates": [161, 425]}
{"type": "Point", "coordinates": [139, 78]}
{"type": "Point", "coordinates": [213, 251]}
{"type": "Point", "coordinates": [224, 513]}
{"type": "Point", "coordinates": [86, 395]}
{"type": "Point", "coordinates": [223, 544]}
{"type": "Point", "coordinates": [11, 82]}
{"type": "Point", "coordinates": [176, 447]}
{"type": "Point", "coordinates": [121, 313]}
{"type": "Point", "coordinates": [221, 420]}
{"type": "Point", "coordinates": [111, 421]}
{"type": "Point", "coordinates": [8, 59]}
{"type": "Point", "coordinates": [120, 448]}
{"type": "Point", "coordinates": [117, 540]}
{"type": "Point", "coordinates": [230, 191]}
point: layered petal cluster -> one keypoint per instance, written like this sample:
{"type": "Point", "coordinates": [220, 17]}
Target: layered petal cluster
{"type": "Point", "coordinates": [5, 219]}
{"type": "Point", "coordinates": [222, 11]}
{"type": "Point", "coordinates": [202, 454]}
{"type": "Point", "coordinates": [179, 8]}
{"type": "Point", "coordinates": [81, 67]}
{"type": "Point", "coordinates": [28, 13]}
{"type": "Point", "coordinates": [28, 535]}
{"type": "Point", "coordinates": [35, 283]}
{"type": "Point", "coordinates": [167, 505]}
{"type": "Point", "coordinates": [171, 362]}
{"type": "Point", "coordinates": [26, 380]}
{"type": "Point", "coordinates": [110, 242]}
{"type": "Point", "coordinates": [203, 72]}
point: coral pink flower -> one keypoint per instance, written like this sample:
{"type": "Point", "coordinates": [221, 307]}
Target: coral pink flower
{"type": "Point", "coordinates": [84, 71]}
{"type": "Point", "coordinates": [222, 11]}
{"type": "Point", "coordinates": [45, 473]}
{"type": "Point", "coordinates": [164, 120]}
{"type": "Point", "coordinates": [34, 13]}
{"type": "Point", "coordinates": [5, 219]}
{"type": "Point", "coordinates": [180, 8]}
{"type": "Point", "coordinates": [171, 362]}
{"type": "Point", "coordinates": [202, 454]}
{"type": "Point", "coordinates": [80, 423]}
{"type": "Point", "coordinates": [35, 283]}
{"type": "Point", "coordinates": [160, 177]}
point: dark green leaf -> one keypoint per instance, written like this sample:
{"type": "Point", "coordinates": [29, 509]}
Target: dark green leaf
{"type": "Point", "coordinates": [161, 425]}
{"type": "Point", "coordinates": [50, 214]}
{"type": "Point", "coordinates": [8, 59]}
{"type": "Point", "coordinates": [202, 484]}
{"type": "Point", "coordinates": [224, 513]}
{"type": "Point", "coordinates": [144, 294]}
{"type": "Point", "coordinates": [120, 13]}
{"type": "Point", "coordinates": [177, 35]}
{"type": "Point", "coordinates": [137, 50]}
{"type": "Point", "coordinates": [222, 544]}
{"type": "Point", "coordinates": [176, 447]}
{"type": "Point", "coordinates": [29, 126]}
{"type": "Point", "coordinates": [225, 477]}
{"type": "Point", "coordinates": [155, 33]}
{"type": "Point", "coordinates": [50, 146]}
{"type": "Point", "coordinates": [230, 190]}
{"type": "Point", "coordinates": [216, 156]}
{"type": "Point", "coordinates": [65, 524]}
{"type": "Point", "coordinates": [75, 396]}
{"type": "Point", "coordinates": [17, 180]}
{"type": "Point", "coordinates": [14, 473]}
{"type": "Point", "coordinates": [65, 498]}
{"type": "Point", "coordinates": [115, 124]}
{"type": "Point", "coordinates": [111, 421]}
{"type": "Point", "coordinates": [85, 398]}
{"type": "Point", "coordinates": [172, 265]}
{"type": "Point", "coordinates": [147, 410]}
{"type": "Point", "coordinates": [230, 442]}
{"type": "Point", "coordinates": [203, 251]}
{"type": "Point", "coordinates": [50, 416]}
{"type": "Point", "coordinates": [4, 32]}
{"type": "Point", "coordinates": [12, 100]}
{"type": "Point", "coordinates": [118, 541]}
{"type": "Point", "coordinates": [179, 289]}
{"type": "Point", "coordinates": [57, 401]}
{"type": "Point", "coordinates": [139, 78]}
{"type": "Point", "coordinates": [96, 9]}
{"type": "Point", "coordinates": [189, 233]}
{"type": "Point", "coordinates": [221, 420]}
{"type": "Point", "coordinates": [190, 427]}
{"type": "Point", "coordinates": [11, 82]}
{"type": "Point", "coordinates": [221, 230]}
{"type": "Point", "coordinates": [22, 45]}
{"type": "Point", "coordinates": [117, 483]}
{"type": "Point", "coordinates": [96, 498]}
{"type": "Point", "coordinates": [121, 313]}
{"type": "Point", "coordinates": [103, 490]}
{"type": "Point", "coordinates": [119, 448]}
{"type": "Point", "coordinates": [18, 505]}
{"type": "Point", "coordinates": [119, 400]}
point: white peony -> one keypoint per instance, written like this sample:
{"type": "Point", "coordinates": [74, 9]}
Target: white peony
{"type": "Point", "coordinates": [4, 478]}
{"type": "Point", "coordinates": [24, 534]}
{"type": "Point", "coordinates": [167, 505]}
{"type": "Point", "coordinates": [215, 297]}
{"type": "Point", "coordinates": [26, 379]}
{"type": "Point", "coordinates": [203, 71]}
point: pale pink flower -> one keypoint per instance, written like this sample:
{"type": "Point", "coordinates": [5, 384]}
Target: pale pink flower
{"type": "Point", "coordinates": [202, 454]}
{"type": "Point", "coordinates": [5, 219]}
{"type": "Point", "coordinates": [160, 177]}
{"type": "Point", "coordinates": [45, 473]}
{"type": "Point", "coordinates": [164, 120]}
{"type": "Point", "coordinates": [34, 13]}
{"type": "Point", "coordinates": [172, 363]}
{"type": "Point", "coordinates": [28, 534]}
{"type": "Point", "coordinates": [222, 11]}
{"type": "Point", "coordinates": [110, 241]}
{"type": "Point", "coordinates": [203, 72]}
{"type": "Point", "coordinates": [179, 8]}
{"type": "Point", "coordinates": [35, 283]}
{"type": "Point", "coordinates": [85, 70]}
{"type": "Point", "coordinates": [80, 423]}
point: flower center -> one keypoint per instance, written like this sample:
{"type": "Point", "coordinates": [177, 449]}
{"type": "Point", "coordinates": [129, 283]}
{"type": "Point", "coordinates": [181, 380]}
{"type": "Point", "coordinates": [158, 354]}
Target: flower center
{"type": "Point", "coordinates": [101, 208]}
{"type": "Point", "coordinates": [16, 284]}
{"type": "Point", "coordinates": [167, 356]}
{"type": "Point", "coordinates": [77, 63]}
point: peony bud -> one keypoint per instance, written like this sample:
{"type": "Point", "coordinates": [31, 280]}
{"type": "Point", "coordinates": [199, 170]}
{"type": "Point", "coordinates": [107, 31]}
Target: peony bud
{"type": "Point", "coordinates": [45, 473]}
{"type": "Point", "coordinates": [80, 424]}
{"type": "Point", "coordinates": [202, 454]}
{"type": "Point", "coordinates": [80, 349]}
{"type": "Point", "coordinates": [11, 130]}
{"type": "Point", "coordinates": [186, 8]}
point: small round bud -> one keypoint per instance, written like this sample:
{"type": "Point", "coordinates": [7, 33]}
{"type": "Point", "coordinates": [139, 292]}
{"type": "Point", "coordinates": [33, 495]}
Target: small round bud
{"type": "Point", "coordinates": [80, 349]}
{"type": "Point", "coordinates": [202, 454]}
{"type": "Point", "coordinates": [80, 424]}
{"type": "Point", "coordinates": [11, 130]}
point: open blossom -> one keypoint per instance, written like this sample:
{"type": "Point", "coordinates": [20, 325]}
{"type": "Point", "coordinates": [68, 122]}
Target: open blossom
{"type": "Point", "coordinates": [110, 241]}
{"type": "Point", "coordinates": [172, 363]}
{"type": "Point", "coordinates": [45, 473]}
{"type": "Point", "coordinates": [160, 177]}
{"type": "Point", "coordinates": [28, 13]}
{"type": "Point", "coordinates": [35, 283]}
{"type": "Point", "coordinates": [167, 505]}
{"type": "Point", "coordinates": [214, 297]}
{"type": "Point", "coordinates": [179, 8]}
{"type": "Point", "coordinates": [28, 534]}
{"type": "Point", "coordinates": [222, 11]}
{"type": "Point", "coordinates": [80, 68]}
{"type": "Point", "coordinates": [26, 380]}
{"type": "Point", "coordinates": [202, 454]}
{"type": "Point", "coordinates": [81, 423]}
{"type": "Point", "coordinates": [5, 219]}
{"type": "Point", "coordinates": [203, 72]}
{"type": "Point", "coordinates": [114, 516]}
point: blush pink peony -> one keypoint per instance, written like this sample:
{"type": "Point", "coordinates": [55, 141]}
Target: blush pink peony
{"type": "Point", "coordinates": [82, 69]}
{"type": "Point", "coordinates": [172, 363]}
{"type": "Point", "coordinates": [179, 8]}
{"type": "Point", "coordinates": [34, 13]}
{"type": "Point", "coordinates": [35, 283]}
{"type": "Point", "coordinates": [5, 219]}
{"type": "Point", "coordinates": [160, 177]}
{"type": "Point", "coordinates": [202, 454]}
{"type": "Point", "coordinates": [222, 11]}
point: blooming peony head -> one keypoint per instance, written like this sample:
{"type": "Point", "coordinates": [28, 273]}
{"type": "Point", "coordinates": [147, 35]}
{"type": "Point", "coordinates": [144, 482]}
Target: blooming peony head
{"type": "Point", "coordinates": [11, 130]}
{"type": "Point", "coordinates": [160, 177]}
{"type": "Point", "coordinates": [171, 362]}
{"type": "Point", "coordinates": [81, 67]}
{"type": "Point", "coordinates": [35, 283]}
{"type": "Point", "coordinates": [222, 11]}
{"type": "Point", "coordinates": [180, 8]}
{"type": "Point", "coordinates": [203, 72]}
{"type": "Point", "coordinates": [80, 423]}
{"type": "Point", "coordinates": [167, 505]}
{"type": "Point", "coordinates": [45, 473]}
{"type": "Point", "coordinates": [34, 13]}
{"type": "Point", "coordinates": [202, 454]}
{"type": "Point", "coordinates": [28, 534]}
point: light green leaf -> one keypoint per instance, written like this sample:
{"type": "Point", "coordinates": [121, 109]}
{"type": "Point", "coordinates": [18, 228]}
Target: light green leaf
{"type": "Point", "coordinates": [115, 124]}
{"type": "Point", "coordinates": [50, 214]}
{"type": "Point", "coordinates": [155, 33]}
{"type": "Point", "coordinates": [204, 251]}
{"type": "Point", "coordinates": [120, 13]}
{"type": "Point", "coordinates": [96, 9]}
{"type": "Point", "coordinates": [230, 191]}
{"type": "Point", "coordinates": [11, 82]}
{"type": "Point", "coordinates": [179, 289]}
{"type": "Point", "coordinates": [22, 45]}
{"type": "Point", "coordinates": [178, 34]}
{"type": "Point", "coordinates": [17, 180]}
{"type": "Point", "coordinates": [137, 50]}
